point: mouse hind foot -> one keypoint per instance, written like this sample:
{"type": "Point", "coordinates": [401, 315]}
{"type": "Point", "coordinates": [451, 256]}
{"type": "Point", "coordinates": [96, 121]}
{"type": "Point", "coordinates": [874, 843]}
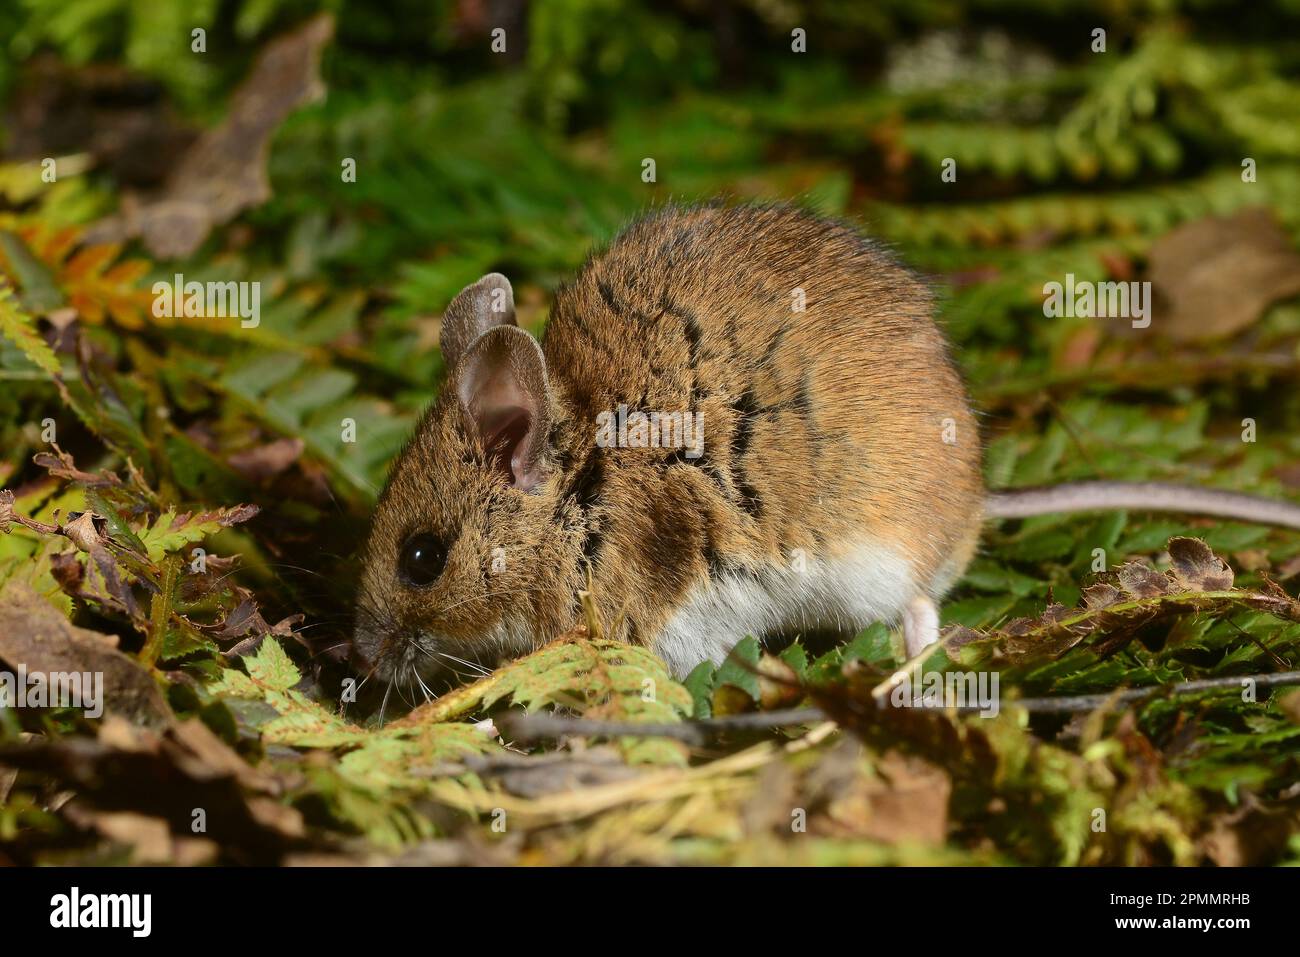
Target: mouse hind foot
{"type": "Point", "coordinates": [920, 625]}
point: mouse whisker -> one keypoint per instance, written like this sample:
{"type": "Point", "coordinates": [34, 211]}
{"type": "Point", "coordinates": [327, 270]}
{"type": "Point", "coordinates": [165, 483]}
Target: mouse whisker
{"type": "Point", "coordinates": [402, 681]}
{"type": "Point", "coordinates": [299, 568]}
{"type": "Point", "coordinates": [334, 647]}
{"type": "Point", "coordinates": [430, 655]}
{"type": "Point", "coordinates": [369, 674]}
{"type": "Point", "coordinates": [428, 695]}
{"type": "Point", "coordinates": [468, 664]}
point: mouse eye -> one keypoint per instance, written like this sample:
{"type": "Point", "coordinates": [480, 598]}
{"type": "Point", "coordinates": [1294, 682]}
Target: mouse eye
{"type": "Point", "coordinates": [422, 560]}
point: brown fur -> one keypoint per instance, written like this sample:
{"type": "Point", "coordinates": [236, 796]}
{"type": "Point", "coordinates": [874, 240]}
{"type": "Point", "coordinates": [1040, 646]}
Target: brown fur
{"type": "Point", "coordinates": [821, 428]}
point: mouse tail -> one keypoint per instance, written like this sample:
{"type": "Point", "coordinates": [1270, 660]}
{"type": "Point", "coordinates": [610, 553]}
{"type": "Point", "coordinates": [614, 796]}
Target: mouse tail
{"type": "Point", "coordinates": [1141, 496]}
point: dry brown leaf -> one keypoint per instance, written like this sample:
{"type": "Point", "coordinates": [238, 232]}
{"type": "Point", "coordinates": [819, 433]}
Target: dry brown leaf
{"type": "Point", "coordinates": [1101, 595]}
{"type": "Point", "coordinates": [1214, 277]}
{"type": "Point", "coordinates": [904, 800]}
{"type": "Point", "coordinates": [1252, 559]}
{"type": "Point", "coordinates": [1250, 835]}
{"type": "Point", "coordinates": [34, 634]}
{"type": "Point", "coordinates": [1197, 567]}
{"type": "Point", "coordinates": [61, 465]}
{"type": "Point", "coordinates": [263, 462]}
{"type": "Point", "coordinates": [1139, 581]}
{"type": "Point", "coordinates": [958, 636]}
{"type": "Point", "coordinates": [149, 838]}
{"type": "Point", "coordinates": [224, 172]}
{"type": "Point", "coordinates": [914, 805]}
{"type": "Point", "coordinates": [204, 755]}
{"type": "Point", "coordinates": [167, 776]}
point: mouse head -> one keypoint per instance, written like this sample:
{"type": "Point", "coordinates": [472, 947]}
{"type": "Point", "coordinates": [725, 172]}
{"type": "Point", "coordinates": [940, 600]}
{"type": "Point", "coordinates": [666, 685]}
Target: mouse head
{"type": "Point", "coordinates": [465, 556]}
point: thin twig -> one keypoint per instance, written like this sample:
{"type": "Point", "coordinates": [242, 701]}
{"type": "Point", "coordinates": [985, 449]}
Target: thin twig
{"type": "Point", "coordinates": [527, 727]}
{"type": "Point", "coordinates": [1090, 702]}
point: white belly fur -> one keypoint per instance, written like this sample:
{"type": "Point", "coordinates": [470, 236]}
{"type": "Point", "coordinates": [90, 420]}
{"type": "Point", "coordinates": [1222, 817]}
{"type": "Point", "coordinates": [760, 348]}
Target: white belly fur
{"type": "Point", "coordinates": [870, 583]}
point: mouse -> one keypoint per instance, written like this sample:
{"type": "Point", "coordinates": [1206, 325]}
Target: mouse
{"type": "Point", "coordinates": [740, 420]}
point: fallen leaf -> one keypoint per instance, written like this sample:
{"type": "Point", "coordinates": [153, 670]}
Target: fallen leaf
{"type": "Point", "coordinates": [35, 635]}
{"type": "Point", "coordinates": [892, 799]}
{"type": "Point", "coordinates": [1215, 276]}
{"type": "Point", "coordinates": [149, 838]}
{"type": "Point", "coordinates": [1250, 835]}
{"type": "Point", "coordinates": [263, 462]}
{"type": "Point", "coordinates": [86, 531]}
{"type": "Point", "coordinates": [168, 775]}
{"type": "Point", "coordinates": [224, 172]}
{"type": "Point", "coordinates": [246, 620]}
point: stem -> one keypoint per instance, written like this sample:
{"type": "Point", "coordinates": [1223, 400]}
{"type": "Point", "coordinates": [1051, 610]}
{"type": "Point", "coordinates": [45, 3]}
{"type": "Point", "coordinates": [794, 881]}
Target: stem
{"type": "Point", "coordinates": [532, 726]}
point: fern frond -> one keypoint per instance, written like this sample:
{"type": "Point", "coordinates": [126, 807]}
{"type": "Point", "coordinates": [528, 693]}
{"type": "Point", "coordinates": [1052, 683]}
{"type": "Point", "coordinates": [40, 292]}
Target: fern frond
{"type": "Point", "coordinates": [19, 327]}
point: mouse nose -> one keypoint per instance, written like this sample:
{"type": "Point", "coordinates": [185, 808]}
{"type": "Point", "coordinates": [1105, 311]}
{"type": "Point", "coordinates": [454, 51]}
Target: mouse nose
{"type": "Point", "coordinates": [365, 648]}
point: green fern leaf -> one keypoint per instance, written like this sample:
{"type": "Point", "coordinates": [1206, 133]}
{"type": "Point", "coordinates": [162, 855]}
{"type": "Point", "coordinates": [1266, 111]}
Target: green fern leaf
{"type": "Point", "coordinates": [605, 680]}
{"type": "Point", "coordinates": [18, 326]}
{"type": "Point", "coordinates": [172, 530]}
{"type": "Point", "coordinates": [271, 668]}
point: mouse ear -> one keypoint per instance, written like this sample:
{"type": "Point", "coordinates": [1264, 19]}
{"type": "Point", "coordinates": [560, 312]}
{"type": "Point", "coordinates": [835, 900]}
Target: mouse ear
{"type": "Point", "coordinates": [477, 308]}
{"type": "Point", "coordinates": [503, 390]}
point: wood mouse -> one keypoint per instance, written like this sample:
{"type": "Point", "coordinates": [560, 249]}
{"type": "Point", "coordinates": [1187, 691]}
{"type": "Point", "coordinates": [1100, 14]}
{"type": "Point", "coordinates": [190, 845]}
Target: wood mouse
{"type": "Point", "coordinates": [837, 483]}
